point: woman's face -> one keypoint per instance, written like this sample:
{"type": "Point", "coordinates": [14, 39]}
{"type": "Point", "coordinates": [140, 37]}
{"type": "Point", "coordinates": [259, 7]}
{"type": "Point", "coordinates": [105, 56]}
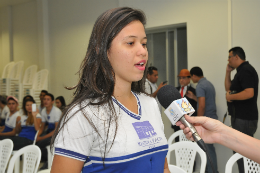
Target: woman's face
{"type": "Point", "coordinates": [128, 53]}
{"type": "Point", "coordinates": [58, 103]}
{"type": "Point", "coordinates": [28, 106]}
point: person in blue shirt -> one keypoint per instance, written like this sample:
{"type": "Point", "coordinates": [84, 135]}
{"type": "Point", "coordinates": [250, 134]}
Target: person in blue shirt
{"type": "Point", "coordinates": [11, 118]}
{"type": "Point", "coordinates": [27, 126]}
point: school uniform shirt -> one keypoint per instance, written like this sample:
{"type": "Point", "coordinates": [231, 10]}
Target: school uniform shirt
{"type": "Point", "coordinates": [139, 145]}
{"type": "Point", "coordinates": [4, 112]}
{"type": "Point", "coordinates": [51, 118]}
{"type": "Point", "coordinates": [28, 131]}
{"type": "Point", "coordinates": [10, 122]}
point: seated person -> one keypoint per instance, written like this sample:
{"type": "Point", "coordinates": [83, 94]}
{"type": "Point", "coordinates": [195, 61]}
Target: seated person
{"type": "Point", "coordinates": [41, 106]}
{"type": "Point", "coordinates": [11, 118]}
{"type": "Point", "coordinates": [60, 103]}
{"type": "Point", "coordinates": [25, 98]}
{"type": "Point", "coordinates": [27, 127]}
{"type": "Point", "coordinates": [51, 115]}
{"type": "Point", "coordinates": [4, 110]}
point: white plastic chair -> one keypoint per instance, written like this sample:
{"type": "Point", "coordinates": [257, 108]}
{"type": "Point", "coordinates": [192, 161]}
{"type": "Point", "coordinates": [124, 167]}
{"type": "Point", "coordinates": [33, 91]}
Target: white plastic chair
{"type": "Point", "coordinates": [26, 84]}
{"type": "Point", "coordinates": [6, 73]}
{"type": "Point", "coordinates": [179, 134]}
{"type": "Point", "coordinates": [6, 148]}
{"type": "Point", "coordinates": [185, 155]}
{"type": "Point", "coordinates": [50, 156]}
{"type": "Point", "coordinates": [15, 79]}
{"type": "Point", "coordinates": [40, 82]}
{"type": "Point", "coordinates": [45, 171]}
{"type": "Point", "coordinates": [31, 159]}
{"type": "Point", "coordinates": [249, 165]}
{"type": "Point", "coordinates": [175, 169]}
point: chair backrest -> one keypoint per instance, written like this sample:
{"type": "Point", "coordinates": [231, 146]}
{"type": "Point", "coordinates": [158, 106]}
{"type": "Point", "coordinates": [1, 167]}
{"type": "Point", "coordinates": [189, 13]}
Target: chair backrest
{"type": "Point", "coordinates": [17, 71]}
{"type": "Point", "coordinates": [7, 69]}
{"type": "Point", "coordinates": [249, 165]}
{"type": "Point", "coordinates": [6, 148]}
{"type": "Point", "coordinates": [45, 171]}
{"type": "Point", "coordinates": [40, 80]}
{"type": "Point", "coordinates": [179, 134]}
{"type": "Point", "coordinates": [176, 169]}
{"type": "Point", "coordinates": [31, 159]}
{"type": "Point", "coordinates": [35, 137]}
{"type": "Point", "coordinates": [185, 152]}
{"type": "Point", "coordinates": [29, 74]}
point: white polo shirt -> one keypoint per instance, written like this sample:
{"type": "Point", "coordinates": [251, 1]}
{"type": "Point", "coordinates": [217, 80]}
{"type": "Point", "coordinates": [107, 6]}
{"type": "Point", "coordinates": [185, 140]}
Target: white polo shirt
{"type": "Point", "coordinates": [139, 146]}
{"type": "Point", "coordinates": [28, 131]}
{"type": "Point", "coordinates": [51, 118]}
{"type": "Point", "coordinates": [10, 122]}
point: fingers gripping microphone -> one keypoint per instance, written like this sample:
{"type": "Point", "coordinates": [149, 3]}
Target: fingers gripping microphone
{"type": "Point", "coordinates": [176, 107]}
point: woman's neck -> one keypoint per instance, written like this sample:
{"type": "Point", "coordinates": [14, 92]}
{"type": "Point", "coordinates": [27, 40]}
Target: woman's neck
{"type": "Point", "coordinates": [122, 90]}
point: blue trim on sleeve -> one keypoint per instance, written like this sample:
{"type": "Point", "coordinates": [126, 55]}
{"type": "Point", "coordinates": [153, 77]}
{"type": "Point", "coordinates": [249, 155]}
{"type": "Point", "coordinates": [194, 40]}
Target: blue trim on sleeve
{"type": "Point", "coordinates": [71, 154]}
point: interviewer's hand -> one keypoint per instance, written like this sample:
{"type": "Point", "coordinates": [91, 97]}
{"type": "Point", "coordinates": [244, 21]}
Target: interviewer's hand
{"type": "Point", "coordinates": [209, 129]}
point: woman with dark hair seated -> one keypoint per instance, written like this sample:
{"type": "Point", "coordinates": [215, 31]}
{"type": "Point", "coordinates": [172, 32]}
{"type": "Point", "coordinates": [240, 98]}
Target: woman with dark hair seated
{"type": "Point", "coordinates": [60, 103]}
{"type": "Point", "coordinates": [28, 125]}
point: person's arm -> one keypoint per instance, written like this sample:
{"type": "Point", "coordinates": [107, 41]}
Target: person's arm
{"type": "Point", "coordinates": [39, 138]}
{"type": "Point", "coordinates": [191, 95]}
{"type": "Point", "coordinates": [37, 121]}
{"type": "Point", "coordinates": [14, 131]}
{"type": "Point", "coordinates": [201, 108]}
{"type": "Point", "coordinates": [2, 129]}
{"type": "Point", "coordinates": [166, 168]}
{"type": "Point", "coordinates": [18, 127]}
{"type": "Point", "coordinates": [228, 78]}
{"type": "Point", "coordinates": [66, 165]}
{"type": "Point", "coordinates": [243, 95]}
{"type": "Point", "coordinates": [159, 87]}
{"type": "Point", "coordinates": [213, 131]}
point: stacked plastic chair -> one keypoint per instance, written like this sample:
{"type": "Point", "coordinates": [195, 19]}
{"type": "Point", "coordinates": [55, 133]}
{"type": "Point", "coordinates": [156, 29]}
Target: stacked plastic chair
{"type": "Point", "coordinates": [5, 75]}
{"type": "Point", "coordinates": [15, 79]}
{"type": "Point", "coordinates": [10, 82]}
{"type": "Point", "coordinates": [40, 82]}
{"type": "Point", "coordinates": [26, 85]}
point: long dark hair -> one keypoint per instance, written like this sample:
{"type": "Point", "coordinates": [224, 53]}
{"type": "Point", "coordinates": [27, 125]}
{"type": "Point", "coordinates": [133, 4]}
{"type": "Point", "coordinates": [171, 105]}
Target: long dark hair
{"type": "Point", "coordinates": [29, 120]}
{"type": "Point", "coordinates": [97, 77]}
{"type": "Point", "coordinates": [62, 100]}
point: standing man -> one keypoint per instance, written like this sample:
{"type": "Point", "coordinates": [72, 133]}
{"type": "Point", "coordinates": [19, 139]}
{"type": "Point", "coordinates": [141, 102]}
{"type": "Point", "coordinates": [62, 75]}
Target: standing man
{"type": "Point", "coordinates": [50, 114]}
{"type": "Point", "coordinates": [242, 94]}
{"type": "Point", "coordinates": [43, 93]}
{"type": "Point", "coordinates": [206, 106]}
{"type": "Point", "coordinates": [150, 83]}
{"type": "Point", "coordinates": [12, 118]}
{"type": "Point", "coordinates": [185, 86]}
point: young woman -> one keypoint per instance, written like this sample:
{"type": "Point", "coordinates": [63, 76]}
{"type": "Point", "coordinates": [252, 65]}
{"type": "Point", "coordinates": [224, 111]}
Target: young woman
{"type": "Point", "coordinates": [111, 125]}
{"type": "Point", "coordinates": [28, 125]}
{"type": "Point", "coordinates": [60, 103]}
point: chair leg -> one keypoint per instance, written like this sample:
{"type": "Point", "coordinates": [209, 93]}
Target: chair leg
{"type": "Point", "coordinates": [17, 166]}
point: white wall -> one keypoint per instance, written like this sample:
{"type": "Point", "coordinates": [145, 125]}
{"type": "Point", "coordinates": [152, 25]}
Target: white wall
{"type": "Point", "coordinates": [71, 24]}
{"type": "Point", "coordinates": [25, 33]}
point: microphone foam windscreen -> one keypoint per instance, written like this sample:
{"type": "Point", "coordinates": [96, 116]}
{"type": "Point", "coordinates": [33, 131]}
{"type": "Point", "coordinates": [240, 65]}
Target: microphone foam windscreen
{"type": "Point", "coordinates": [167, 94]}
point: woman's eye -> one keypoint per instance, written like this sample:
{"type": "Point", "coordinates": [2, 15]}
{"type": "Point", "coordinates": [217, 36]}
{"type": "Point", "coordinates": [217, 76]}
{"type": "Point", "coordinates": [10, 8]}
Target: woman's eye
{"type": "Point", "coordinates": [144, 45]}
{"type": "Point", "coordinates": [130, 43]}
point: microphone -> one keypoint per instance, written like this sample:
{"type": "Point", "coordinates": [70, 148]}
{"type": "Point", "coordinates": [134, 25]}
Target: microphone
{"type": "Point", "coordinates": [175, 109]}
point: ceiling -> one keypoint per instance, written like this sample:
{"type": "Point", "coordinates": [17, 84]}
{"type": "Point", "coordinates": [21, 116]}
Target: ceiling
{"type": "Point", "coordinates": [4, 3]}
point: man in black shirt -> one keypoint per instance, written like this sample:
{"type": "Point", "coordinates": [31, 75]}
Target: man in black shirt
{"type": "Point", "coordinates": [242, 94]}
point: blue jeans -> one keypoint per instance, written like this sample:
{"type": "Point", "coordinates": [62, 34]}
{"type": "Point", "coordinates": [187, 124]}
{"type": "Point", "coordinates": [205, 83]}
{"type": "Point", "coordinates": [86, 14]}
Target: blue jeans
{"type": "Point", "coordinates": [213, 156]}
{"type": "Point", "coordinates": [247, 127]}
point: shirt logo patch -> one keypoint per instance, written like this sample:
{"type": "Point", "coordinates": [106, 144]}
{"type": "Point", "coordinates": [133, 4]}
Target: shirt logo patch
{"type": "Point", "coordinates": [49, 117]}
{"type": "Point", "coordinates": [144, 129]}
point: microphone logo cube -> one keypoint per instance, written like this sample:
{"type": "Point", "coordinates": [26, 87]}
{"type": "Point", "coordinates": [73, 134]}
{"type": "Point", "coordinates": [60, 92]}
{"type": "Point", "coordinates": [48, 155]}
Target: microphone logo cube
{"type": "Point", "coordinates": [177, 109]}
